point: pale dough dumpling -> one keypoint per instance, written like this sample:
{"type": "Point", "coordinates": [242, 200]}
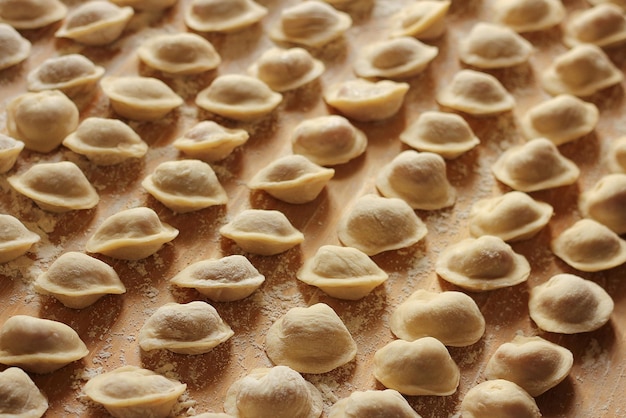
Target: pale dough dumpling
{"type": "Point", "coordinates": [140, 98]}
{"type": "Point", "coordinates": [588, 245]}
{"type": "Point", "coordinates": [31, 14]}
{"type": "Point", "coordinates": [533, 363]}
{"type": "Point", "coordinates": [39, 345]}
{"type": "Point", "coordinates": [185, 185]}
{"type": "Point", "coordinates": [106, 141]}
{"type": "Point", "coordinates": [239, 97]}
{"type": "Point", "coordinates": [372, 404]}
{"type": "Point", "coordinates": [451, 317]}
{"type": "Point", "coordinates": [74, 74]}
{"type": "Point", "coordinates": [581, 71]}
{"type": "Point", "coordinates": [95, 23]}
{"type": "Point", "coordinates": [366, 101]}
{"type": "Point", "coordinates": [420, 367]}
{"type": "Point", "coordinates": [423, 20]}
{"type": "Point", "coordinates": [513, 216]}
{"type": "Point", "coordinates": [276, 392]}
{"type": "Point", "coordinates": [376, 224]}
{"type": "Point", "coordinates": [419, 179]}
{"type": "Point", "coordinates": [223, 15]}
{"type": "Point", "coordinates": [131, 234]}
{"type": "Point", "coordinates": [263, 232]}
{"type": "Point", "coordinates": [606, 202]}
{"type": "Point", "coordinates": [310, 23]}
{"type": "Point", "coordinates": [286, 69]}
{"type": "Point", "coordinates": [15, 238]}
{"type": "Point", "coordinates": [499, 397]}
{"type": "Point", "coordinates": [313, 339]}
{"type": "Point", "coordinates": [134, 392]}
{"type": "Point", "coordinates": [78, 280]}
{"type": "Point", "coordinates": [208, 141]}
{"type": "Point", "coordinates": [616, 155]}
{"type": "Point", "coordinates": [401, 57]}
{"type": "Point", "coordinates": [56, 187]}
{"type": "Point", "coordinates": [179, 53]}
{"type": "Point", "coordinates": [191, 328]}
{"type": "Point", "coordinates": [19, 396]}
{"type": "Point", "coordinates": [446, 134]}
{"type": "Point", "coordinates": [342, 272]}
{"type": "Point", "coordinates": [41, 120]}
{"type": "Point", "coordinates": [481, 264]}
{"type": "Point", "coordinates": [13, 47]}
{"type": "Point", "coordinates": [535, 165]}
{"type": "Point", "coordinates": [529, 15]}
{"type": "Point", "coordinates": [603, 25]}
{"type": "Point", "coordinates": [475, 93]}
{"type": "Point", "coordinates": [225, 279]}
{"type": "Point", "coordinates": [328, 140]}
{"type": "Point", "coordinates": [292, 179]}
{"type": "Point", "coordinates": [569, 304]}
{"type": "Point", "coordinates": [488, 45]}
{"type": "Point", "coordinates": [10, 149]}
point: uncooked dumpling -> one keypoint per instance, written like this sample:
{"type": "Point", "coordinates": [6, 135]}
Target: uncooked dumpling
{"type": "Point", "coordinates": [292, 179]}
{"type": "Point", "coordinates": [475, 93]}
{"type": "Point", "coordinates": [616, 155]}
{"type": "Point", "coordinates": [19, 396]}
{"type": "Point", "coordinates": [31, 14]}
{"type": "Point", "coordinates": [209, 141]}
{"type": "Point", "coordinates": [74, 74]}
{"type": "Point", "coordinates": [225, 279]}
{"type": "Point", "coordinates": [376, 224]}
{"type": "Point", "coordinates": [78, 280]}
{"type": "Point", "coordinates": [481, 264]}
{"type": "Point", "coordinates": [56, 187]}
{"type": "Point", "coordinates": [328, 140]}
{"type": "Point", "coordinates": [606, 202]}
{"type": "Point", "coordinates": [533, 363]}
{"type": "Point", "coordinates": [423, 20]}
{"type": "Point", "coordinates": [131, 234]}
{"type": "Point", "coordinates": [372, 404]}
{"type": "Point", "coordinates": [488, 45]}
{"type": "Point", "coordinates": [446, 134]}
{"type": "Point", "coordinates": [264, 232]}
{"type": "Point", "coordinates": [569, 304]}
{"type": "Point", "coordinates": [513, 216]}
{"type": "Point", "coordinates": [420, 367]}
{"type": "Point", "coordinates": [134, 392]}
{"type": "Point", "coordinates": [13, 47]}
{"type": "Point", "coordinates": [185, 185]}
{"type": "Point", "coordinates": [417, 178]}
{"type": "Point", "coordinates": [451, 317]}
{"type": "Point", "coordinates": [39, 345]}
{"type": "Point", "coordinates": [529, 15]}
{"type": "Point", "coordinates": [223, 15]}
{"type": "Point", "coordinates": [588, 245]}
{"type": "Point", "coordinates": [603, 25]}
{"type": "Point", "coordinates": [15, 238]}
{"type": "Point", "coordinates": [394, 58]}
{"type": "Point", "coordinates": [342, 272]}
{"type": "Point", "coordinates": [498, 398]}
{"type": "Point", "coordinates": [287, 69]}
{"type": "Point", "coordinates": [95, 23]}
{"type": "Point", "coordinates": [310, 23]}
{"type": "Point", "coordinates": [10, 149]}
{"type": "Point", "coordinates": [191, 328]}
{"type": "Point", "coordinates": [277, 392]}
{"type": "Point", "coordinates": [535, 165]}
{"type": "Point", "coordinates": [313, 339]}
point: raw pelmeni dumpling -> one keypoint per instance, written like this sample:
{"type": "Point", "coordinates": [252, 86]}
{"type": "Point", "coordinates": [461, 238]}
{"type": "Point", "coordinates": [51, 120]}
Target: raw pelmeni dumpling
{"type": "Point", "coordinates": [481, 264]}
{"type": "Point", "coordinates": [209, 141]}
{"type": "Point", "coordinates": [223, 15]}
{"type": "Point", "coordinates": [276, 392]}
{"type": "Point", "coordinates": [569, 304]}
{"type": "Point", "coordinates": [513, 216]}
{"type": "Point", "coordinates": [451, 317]}
{"type": "Point", "coordinates": [494, 46]}
{"type": "Point", "coordinates": [78, 280]}
{"type": "Point", "coordinates": [95, 23]}
{"type": "Point", "coordinates": [292, 179]}
{"type": "Point", "coordinates": [419, 179]}
{"type": "Point", "coordinates": [191, 328]}
{"type": "Point", "coordinates": [533, 363]}
{"type": "Point", "coordinates": [131, 234]}
{"type": "Point", "coordinates": [342, 272]}
{"type": "Point", "coordinates": [535, 165]}
{"type": "Point", "coordinates": [31, 14]}
{"type": "Point", "coordinates": [588, 245]}
{"type": "Point", "coordinates": [134, 392]}
{"type": "Point", "coordinates": [446, 134]}
{"type": "Point", "coordinates": [603, 25]}
{"type": "Point", "coordinates": [371, 404]}
{"type": "Point", "coordinates": [376, 224]}
{"type": "Point", "coordinates": [287, 69]}
{"type": "Point", "coordinates": [498, 398]}
{"type": "Point", "coordinates": [185, 185]}
{"type": "Point", "coordinates": [423, 20]}
{"type": "Point", "coordinates": [529, 15]}
{"type": "Point", "coordinates": [606, 202]}
{"type": "Point", "coordinates": [263, 232]}
{"type": "Point", "coordinates": [15, 238]}
{"type": "Point", "coordinates": [19, 396]}
{"type": "Point", "coordinates": [56, 187]}
{"type": "Point", "coordinates": [225, 279]}
{"type": "Point", "coordinates": [420, 367]}
{"type": "Point", "coordinates": [10, 149]}
{"type": "Point", "coordinates": [475, 93]}
{"type": "Point", "coordinates": [313, 339]}
{"type": "Point", "coordinates": [401, 57]}
{"type": "Point", "coordinates": [616, 155]}
{"type": "Point", "coordinates": [13, 47]}
{"type": "Point", "coordinates": [39, 345]}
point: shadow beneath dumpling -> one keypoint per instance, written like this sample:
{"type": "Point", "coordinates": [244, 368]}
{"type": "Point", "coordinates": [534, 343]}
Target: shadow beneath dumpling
{"type": "Point", "coordinates": [403, 259]}
{"type": "Point", "coordinates": [186, 86]}
{"type": "Point", "coordinates": [304, 98]}
{"type": "Point", "coordinates": [444, 405]}
{"type": "Point", "coordinates": [565, 392]}
{"type": "Point", "coordinates": [237, 45]}
{"type": "Point", "coordinates": [546, 38]}
{"type": "Point", "coordinates": [159, 133]}
{"type": "Point", "coordinates": [359, 10]}
{"type": "Point", "coordinates": [116, 179]}
{"type": "Point", "coordinates": [471, 356]}
{"type": "Point", "coordinates": [608, 99]}
{"type": "Point", "coordinates": [463, 170]}
{"type": "Point", "coordinates": [585, 151]}
{"type": "Point", "coordinates": [332, 54]}
{"type": "Point", "coordinates": [70, 222]}
{"type": "Point", "coordinates": [562, 199]}
{"type": "Point", "coordinates": [13, 74]}
{"type": "Point", "coordinates": [465, 8]}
